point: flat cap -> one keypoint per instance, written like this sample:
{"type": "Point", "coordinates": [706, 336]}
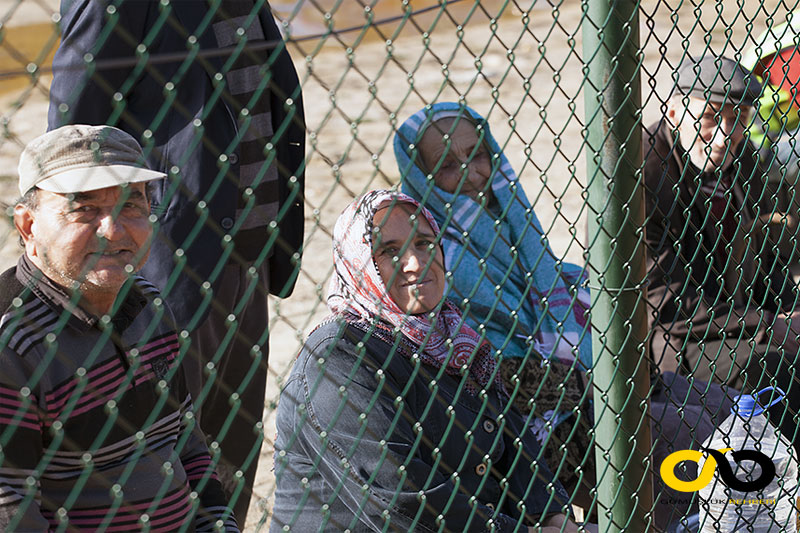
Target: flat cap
{"type": "Point", "coordinates": [718, 79]}
{"type": "Point", "coordinates": [78, 158]}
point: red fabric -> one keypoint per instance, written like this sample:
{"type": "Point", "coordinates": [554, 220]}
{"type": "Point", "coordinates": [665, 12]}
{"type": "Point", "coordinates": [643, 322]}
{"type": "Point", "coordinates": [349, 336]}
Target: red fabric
{"type": "Point", "coordinates": [782, 70]}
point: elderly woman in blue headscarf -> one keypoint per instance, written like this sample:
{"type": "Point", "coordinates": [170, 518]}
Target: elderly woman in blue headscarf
{"type": "Point", "coordinates": [531, 306]}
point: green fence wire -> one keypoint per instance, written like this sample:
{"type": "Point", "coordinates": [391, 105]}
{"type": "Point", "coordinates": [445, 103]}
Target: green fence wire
{"type": "Point", "coordinates": [574, 93]}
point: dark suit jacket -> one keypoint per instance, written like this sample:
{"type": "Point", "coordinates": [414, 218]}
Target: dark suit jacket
{"type": "Point", "coordinates": [150, 75]}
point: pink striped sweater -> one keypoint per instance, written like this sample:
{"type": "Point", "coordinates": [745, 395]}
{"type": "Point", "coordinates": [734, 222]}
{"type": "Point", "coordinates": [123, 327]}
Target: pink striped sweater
{"type": "Point", "coordinates": [96, 424]}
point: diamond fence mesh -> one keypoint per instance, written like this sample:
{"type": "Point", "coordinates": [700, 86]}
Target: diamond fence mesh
{"type": "Point", "coordinates": [686, 276]}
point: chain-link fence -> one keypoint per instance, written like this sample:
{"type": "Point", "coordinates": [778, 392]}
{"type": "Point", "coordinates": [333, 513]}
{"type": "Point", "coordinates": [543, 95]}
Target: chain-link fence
{"type": "Point", "coordinates": [561, 94]}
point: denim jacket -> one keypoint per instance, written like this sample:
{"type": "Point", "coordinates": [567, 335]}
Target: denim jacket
{"type": "Point", "coordinates": [371, 440]}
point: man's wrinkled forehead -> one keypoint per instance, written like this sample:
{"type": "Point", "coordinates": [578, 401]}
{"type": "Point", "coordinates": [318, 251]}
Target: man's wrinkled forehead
{"type": "Point", "coordinates": [137, 192]}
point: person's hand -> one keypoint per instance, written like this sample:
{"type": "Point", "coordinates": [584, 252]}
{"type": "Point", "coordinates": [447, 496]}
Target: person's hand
{"type": "Point", "coordinates": [557, 523]}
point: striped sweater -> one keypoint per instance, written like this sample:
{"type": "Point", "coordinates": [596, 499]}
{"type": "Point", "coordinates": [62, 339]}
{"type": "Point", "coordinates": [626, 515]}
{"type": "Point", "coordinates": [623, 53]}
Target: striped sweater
{"type": "Point", "coordinates": [96, 424]}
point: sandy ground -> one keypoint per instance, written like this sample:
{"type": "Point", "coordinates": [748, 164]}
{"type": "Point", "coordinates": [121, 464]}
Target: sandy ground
{"type": "Point", "coordinates": [521, 69]}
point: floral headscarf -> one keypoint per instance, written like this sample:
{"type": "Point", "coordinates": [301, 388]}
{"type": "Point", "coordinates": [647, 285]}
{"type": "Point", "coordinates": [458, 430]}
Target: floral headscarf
{"type": "Point", "coordinates": [357, 293]}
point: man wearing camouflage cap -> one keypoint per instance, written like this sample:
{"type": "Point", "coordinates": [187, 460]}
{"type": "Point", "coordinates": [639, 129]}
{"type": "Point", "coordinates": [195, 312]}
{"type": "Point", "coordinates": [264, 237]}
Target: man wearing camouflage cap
{"type": "Point", "coordinates": [97, 428]}
{"type": "Point", "coordinates": [714, 282]}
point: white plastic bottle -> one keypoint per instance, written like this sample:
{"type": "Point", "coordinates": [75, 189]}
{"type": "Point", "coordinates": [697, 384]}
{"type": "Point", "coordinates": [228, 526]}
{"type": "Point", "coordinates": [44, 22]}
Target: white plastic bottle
{"type": "Point", "coordinates": [767, 509]}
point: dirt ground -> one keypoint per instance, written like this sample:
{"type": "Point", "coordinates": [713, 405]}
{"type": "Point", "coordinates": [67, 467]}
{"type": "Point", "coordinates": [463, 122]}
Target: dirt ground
{"type": "Point", "coordinates": [520, 68]}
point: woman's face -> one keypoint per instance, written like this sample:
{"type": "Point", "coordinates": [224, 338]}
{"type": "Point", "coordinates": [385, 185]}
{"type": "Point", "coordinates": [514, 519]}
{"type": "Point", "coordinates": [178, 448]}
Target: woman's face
{"type": "Point", "coordinates": [416, 281]}
{"type": "Point", "coordinates": [465, 161]}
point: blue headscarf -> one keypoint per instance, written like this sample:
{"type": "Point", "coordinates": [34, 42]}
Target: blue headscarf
{"type": "Point", "coordinates": [505, 276]}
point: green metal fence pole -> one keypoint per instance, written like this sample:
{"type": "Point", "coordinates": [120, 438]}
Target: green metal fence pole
{"type": "Point", "coordinates": [616, 256]}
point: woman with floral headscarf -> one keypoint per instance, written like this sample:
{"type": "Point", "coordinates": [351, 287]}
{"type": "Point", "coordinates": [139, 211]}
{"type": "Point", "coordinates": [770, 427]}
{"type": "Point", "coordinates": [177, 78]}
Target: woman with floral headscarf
{"type": "Point", "coordinates": [393, 417]}
{"type": "Point", "coordinates": [528, 303]}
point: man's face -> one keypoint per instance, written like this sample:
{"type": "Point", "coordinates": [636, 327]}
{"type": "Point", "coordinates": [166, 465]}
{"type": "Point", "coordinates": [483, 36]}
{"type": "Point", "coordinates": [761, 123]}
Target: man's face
{"type": "Point", "coordinates": [88, 237]}
{"type": "Point", "coordinates": [710, 132]}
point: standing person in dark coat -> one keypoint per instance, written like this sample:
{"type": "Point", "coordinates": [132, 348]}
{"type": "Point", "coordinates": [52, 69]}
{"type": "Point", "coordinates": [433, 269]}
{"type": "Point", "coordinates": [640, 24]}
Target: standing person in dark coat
{"type": "Point", "coordinates": [211, 93]}
{"type": "Point", "coordinates": [721, 300]}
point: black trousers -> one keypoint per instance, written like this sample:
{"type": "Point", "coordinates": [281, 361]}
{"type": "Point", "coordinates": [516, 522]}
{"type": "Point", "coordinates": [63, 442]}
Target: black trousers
{"type": "Point", "coordinates": [227, 371]}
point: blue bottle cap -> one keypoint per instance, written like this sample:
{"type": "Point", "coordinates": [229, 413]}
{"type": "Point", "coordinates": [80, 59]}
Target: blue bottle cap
{"type": "Point", "coordinates": [747, 404]}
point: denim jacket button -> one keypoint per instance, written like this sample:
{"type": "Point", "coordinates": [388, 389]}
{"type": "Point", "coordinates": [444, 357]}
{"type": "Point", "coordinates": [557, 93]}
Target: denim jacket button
{"type": "Point", "coordinates": [480, 469]}
{"type": "Point", "coordinates": [490, 506]}
{"type": "Point", "coordinates": [489, 426]}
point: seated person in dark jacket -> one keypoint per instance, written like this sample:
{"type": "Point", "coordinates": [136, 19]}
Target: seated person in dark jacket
{"type": "Point", "coordinates": [722, 301]}
{"type": "Point", "coordinates": [393, 417]}
{"type": "Point", "coordinates": [720, 298]}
